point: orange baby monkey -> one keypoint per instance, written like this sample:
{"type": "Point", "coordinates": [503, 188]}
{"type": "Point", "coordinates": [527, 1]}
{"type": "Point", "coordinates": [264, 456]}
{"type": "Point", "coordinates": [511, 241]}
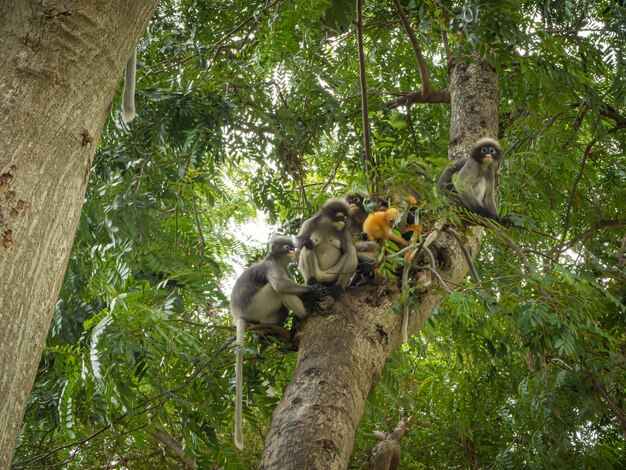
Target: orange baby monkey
{"type": "Point", "coordinates": [378, 226]}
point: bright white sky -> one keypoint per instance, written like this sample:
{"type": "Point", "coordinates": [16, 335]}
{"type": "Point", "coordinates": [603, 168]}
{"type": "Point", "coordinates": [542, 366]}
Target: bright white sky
{"type": "Point", "coordinates": [256, 232]}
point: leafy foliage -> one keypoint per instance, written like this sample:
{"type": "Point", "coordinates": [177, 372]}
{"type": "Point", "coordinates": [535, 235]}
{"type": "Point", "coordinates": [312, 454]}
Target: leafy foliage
{"type": "Point", "coordinates": [249, 108]}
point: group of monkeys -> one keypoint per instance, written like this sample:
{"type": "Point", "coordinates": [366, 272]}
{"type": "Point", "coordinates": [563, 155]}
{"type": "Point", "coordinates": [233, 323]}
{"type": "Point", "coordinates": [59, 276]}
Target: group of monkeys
{"type": "Point", "coordinates": [328, 259]}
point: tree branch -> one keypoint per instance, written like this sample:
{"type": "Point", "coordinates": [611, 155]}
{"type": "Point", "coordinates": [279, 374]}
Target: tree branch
{"type": "Point", "coordinates": [587, 233]}
{"type": "Point", "coordinates": [617, 411]}
{"type": "Point", "coordinates": [408, 98]}
{"type": "Point", "coordinates": [416, 48]}
{"type": "Point", "coordinates": [573, 191]}
{"type": "Point", "coordinates": [168, 441]}
{"type": "Point", "coordinates": [199, 228]}
{"type": "Point", "coordinates": [367, 146]}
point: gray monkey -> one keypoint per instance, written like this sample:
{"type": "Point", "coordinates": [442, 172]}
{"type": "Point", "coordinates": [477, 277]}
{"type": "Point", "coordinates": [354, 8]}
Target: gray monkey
{"type": "Point", "coordinates": [367, 251]}
{"type": "Point", "coordinates": [264, 293]}
{"type": "Point", "coordinates": [386, 454]}
{"type": "Point", "coordinates": [328, 256]}
{"type": "Point", "coordinates": [475, 187]}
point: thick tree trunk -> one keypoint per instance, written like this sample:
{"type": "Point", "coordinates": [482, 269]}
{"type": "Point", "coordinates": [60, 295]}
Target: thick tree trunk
{"type": "Point", "coordinates": [59, 67]}
{"type": "Point", "coordinates": [342, 351]}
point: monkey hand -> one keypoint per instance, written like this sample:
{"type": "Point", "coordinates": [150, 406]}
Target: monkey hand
{"type": "Point", "coordinates": [308, 243]}
{"type": "Point", "coordinates": [320, 290]}
{"type": "Point", "coordinates": [364, 236]}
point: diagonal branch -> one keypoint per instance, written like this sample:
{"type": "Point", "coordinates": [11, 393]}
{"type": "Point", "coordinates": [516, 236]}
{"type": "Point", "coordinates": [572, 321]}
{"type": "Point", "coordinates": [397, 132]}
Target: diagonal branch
{"type": "Point", "coordinates": [426, 94]}
{"type": "Point", "coordinates": [416, 48]}
{"type": "Point", "coordinates": [574, 188]}
{"type": "Point", "coordinates": [168, 441]}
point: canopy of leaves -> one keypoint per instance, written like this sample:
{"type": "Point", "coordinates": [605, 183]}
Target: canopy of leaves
{"type": "Point", "coordinates": [252, 109]}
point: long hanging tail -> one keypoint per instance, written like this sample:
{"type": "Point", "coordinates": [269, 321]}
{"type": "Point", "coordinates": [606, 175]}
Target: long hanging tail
{"type": "Point", "coordinates": [128, 98]}
{"type": "Point", "coordinates": [241, 327]}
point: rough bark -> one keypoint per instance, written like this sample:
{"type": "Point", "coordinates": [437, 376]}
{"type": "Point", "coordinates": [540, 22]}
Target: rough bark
{"type": "Point", "coordinates": [59, 67]}
{"type": "Point", "coordinates": [343, 350]}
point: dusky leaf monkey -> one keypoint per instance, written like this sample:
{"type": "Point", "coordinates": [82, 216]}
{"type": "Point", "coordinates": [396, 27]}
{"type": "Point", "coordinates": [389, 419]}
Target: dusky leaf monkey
{"type": "Point", "coordinates": [475, 186]}
{"type": "Point", "coordinates": [264, 293]}
{"type": "Point", "coordinates": [328, 256]}
{"type": "Point", "coordinates": [367, 251]}
{"type": "Point", "coordinates": [128, 96]}
{"type": "Point", "coordinates": [378, 226]}
{"type": "Point", "coordinates": [386, 454]}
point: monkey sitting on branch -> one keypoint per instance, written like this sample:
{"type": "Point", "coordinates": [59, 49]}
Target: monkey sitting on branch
{"type": "Point", "coordinates": [367, 251]}
{"type": "Point", "coordinates": [328, 256]}
{"type": "Point", "coordinates": [386, 454]}
{"type": "Point", "coordinates": [264, 293]}
{"type": "Point", "coordinates": [475, 187]}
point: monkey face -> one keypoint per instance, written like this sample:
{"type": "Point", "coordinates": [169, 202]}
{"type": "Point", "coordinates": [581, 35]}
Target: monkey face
{"type": "Point", "coordinates": [355, 201]}
{"type": "Point", "coordinates": [337, 210]}
{"type": "Point", "coordinates": [283, 246]}
{"type": "Point", "coordinates": [392, 213]}
{"type": "Point", "coordinates": [339, 219]}
{"type": "Point", "coordinates": [487, 151]}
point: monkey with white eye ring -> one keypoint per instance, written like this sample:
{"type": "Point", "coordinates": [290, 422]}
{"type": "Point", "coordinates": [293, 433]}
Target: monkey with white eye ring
{"type": "Point", "coordinates": [475, 186]}
{"type": "Point", "coordinates": [264, 293]}
{"type": "Point", "coordinates": [367, 251]}
{"type": "Point", "coordinates": [328, 256]}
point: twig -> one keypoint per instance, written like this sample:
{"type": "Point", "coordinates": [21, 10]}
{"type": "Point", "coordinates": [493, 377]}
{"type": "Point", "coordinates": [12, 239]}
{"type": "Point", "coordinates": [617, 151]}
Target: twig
{"type": "Point", "coordinates": [612, 405]}
{"type": "Point", "coordinates": [199, 228]}
{"type": "Point", "coordinates": [405, 282]}
{"type": "Point", "coordinates": [332, 176]}
{"type": "Point", "coordinates": [573, 191]}
{"type": "Point", "coordinates": [446, 47]}
{"type": "Point", "coordinates": [432, 269]}
{"type": "Point", "coordinates": [367, 146]}
{"type": "Point", "coordinates": [282, 333]}
{"type": "Point", "coordinates": [468, 258]}
{"type": "Point", "coordinates": [587, 233]}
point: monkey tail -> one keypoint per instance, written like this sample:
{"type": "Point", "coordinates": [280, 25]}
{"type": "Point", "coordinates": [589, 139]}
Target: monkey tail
{"type": "Point", "coordinates": [241, 327]}
{"type": "Point", "coordinates": [128, 98]}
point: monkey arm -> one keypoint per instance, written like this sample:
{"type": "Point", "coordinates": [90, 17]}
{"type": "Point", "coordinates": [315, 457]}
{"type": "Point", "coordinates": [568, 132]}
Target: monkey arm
{"type": "Point", "coordinates": [346, 240]}
{"type": "Point", "coordinates": [282, 284]}
{"type": "Point", "coordinates": [398, 240]}
{"type": "Point", "coordinates": [347, 262]}
{"type": "Point", "coordinates": [444, 184]}
{"type": "Point", "coordinates": [490, 205]}
{"type": "Point", "coordinates": [367, 252]}
{"type": "Point", "coordinates": [303, 239]}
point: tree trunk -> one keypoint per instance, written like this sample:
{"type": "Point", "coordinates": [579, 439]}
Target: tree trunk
{"type": "Point", "coordinates": [343, 350]}
{"type": "Point", "coordinates": [59, 68]}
